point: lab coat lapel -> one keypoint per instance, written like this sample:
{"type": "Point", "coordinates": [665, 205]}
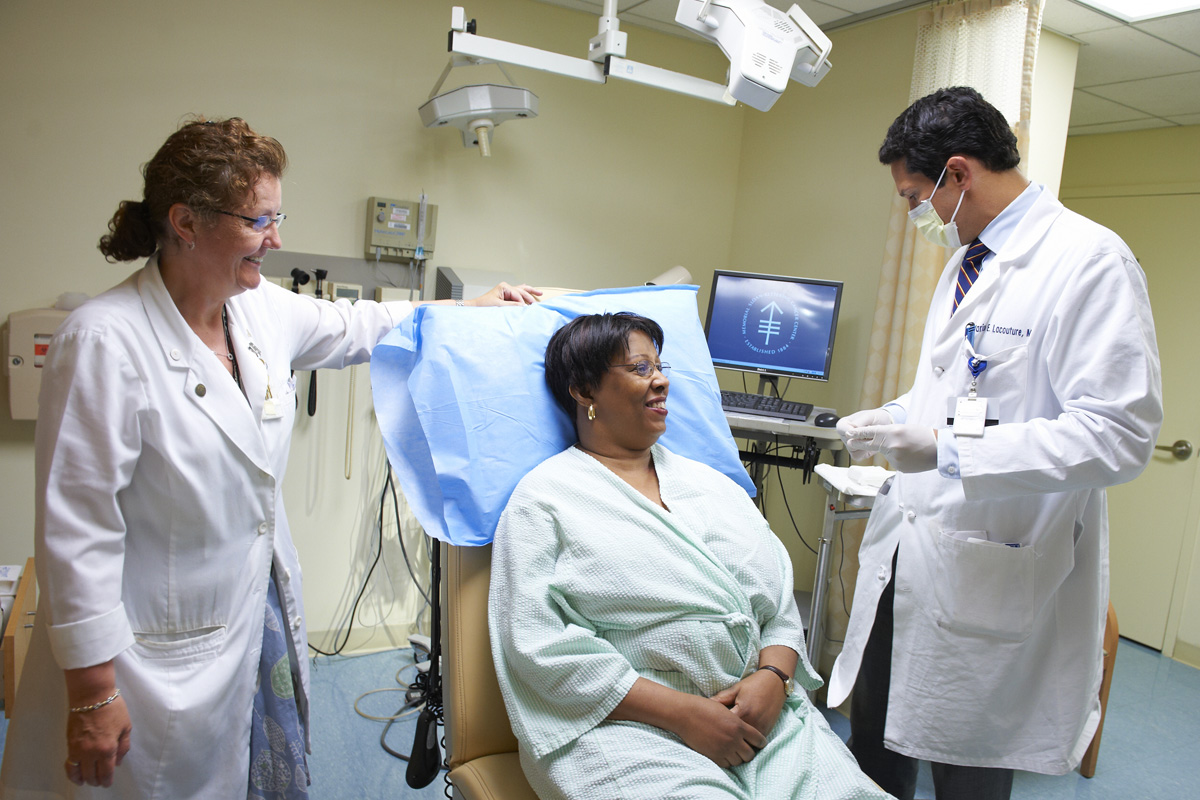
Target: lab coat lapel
{"type": "Point", "coordinates": [977, 303]}
{"type": "Point", "coordinates": [946, 329]}
{"type": "Point", "coordinates": [251, 364]}
{"type": "Point", "coordinates": [205, 381]}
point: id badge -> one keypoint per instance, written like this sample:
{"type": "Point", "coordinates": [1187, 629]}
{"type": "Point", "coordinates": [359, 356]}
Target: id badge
{"type": "Point", "coordinates": [970, 415]}
{"type": "Point", "coordinates": [271, 409]}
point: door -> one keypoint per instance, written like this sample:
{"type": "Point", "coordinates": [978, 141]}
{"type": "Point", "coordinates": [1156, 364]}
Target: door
{"type": "Point", "coordinates": [1148, 516]}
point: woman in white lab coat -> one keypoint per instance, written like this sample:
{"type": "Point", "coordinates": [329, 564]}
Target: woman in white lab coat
{"type": "Point", "coordinates": [162, 543]}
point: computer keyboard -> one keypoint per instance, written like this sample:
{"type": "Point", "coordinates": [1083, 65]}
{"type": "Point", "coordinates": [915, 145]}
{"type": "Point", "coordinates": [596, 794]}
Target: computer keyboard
{"type": "Point", "coordinates": [765, 406]}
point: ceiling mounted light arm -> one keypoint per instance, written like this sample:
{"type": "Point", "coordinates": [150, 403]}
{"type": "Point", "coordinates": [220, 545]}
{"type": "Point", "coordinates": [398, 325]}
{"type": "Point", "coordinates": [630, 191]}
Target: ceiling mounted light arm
{"type": "Point", "coordinates": [485, 50]}
{"type": "Point", "coordinates": [605, 59]}
{"type": "Point", "coordinates": [649, 75]}
{"type": "Point", "coordinates": [609, 41]}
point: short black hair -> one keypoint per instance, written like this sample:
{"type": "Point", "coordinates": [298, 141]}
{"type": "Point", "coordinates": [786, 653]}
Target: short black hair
{"type": "Point", "coordinates": [580, 352]}
{"type": "Point", "coordinates": [949, 122]}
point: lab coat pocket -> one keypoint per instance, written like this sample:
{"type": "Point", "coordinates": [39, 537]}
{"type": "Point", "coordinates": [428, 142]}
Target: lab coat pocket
{"type": "Point", "coordinates": [1005, 379]}
{"type": "Point", "coordinates": [169, 649]}
{"type": "Point", "coordinates": [985, 587]}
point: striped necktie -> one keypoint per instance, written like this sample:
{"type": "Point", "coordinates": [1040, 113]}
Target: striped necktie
{"type": "Point", "coordinates": [969, 270]}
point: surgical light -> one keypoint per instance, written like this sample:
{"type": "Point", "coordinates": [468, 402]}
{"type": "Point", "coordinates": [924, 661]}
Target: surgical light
{"type": "Point", "coordinates": [477, 110]}
{"type": "Point", "coordinates": [765, 46]}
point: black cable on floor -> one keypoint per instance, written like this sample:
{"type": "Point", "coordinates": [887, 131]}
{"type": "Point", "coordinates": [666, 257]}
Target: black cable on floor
{"type": "Point", "coordinates": [400, 537]}
{"type": "Point", "coordinates": [782, 491]}
{"type": "Point", "coordinates": [366, 580]}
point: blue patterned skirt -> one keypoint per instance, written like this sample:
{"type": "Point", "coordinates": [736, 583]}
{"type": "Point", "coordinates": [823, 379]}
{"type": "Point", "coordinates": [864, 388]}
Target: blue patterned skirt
{"type": "Point", "coordinates": [278, 765]}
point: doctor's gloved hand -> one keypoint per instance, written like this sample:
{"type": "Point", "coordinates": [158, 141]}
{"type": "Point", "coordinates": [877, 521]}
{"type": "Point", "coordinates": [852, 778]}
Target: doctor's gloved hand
{"type": "Point", "coordinates": [861, 419]}
{"type": "Point", "coordinates": [909, 448]}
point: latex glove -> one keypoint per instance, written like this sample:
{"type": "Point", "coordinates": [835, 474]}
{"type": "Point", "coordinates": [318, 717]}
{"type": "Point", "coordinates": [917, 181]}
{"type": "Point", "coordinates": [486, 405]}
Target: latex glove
{"type": "Point", "coordinates": [861, 419]}
{"type": "Point", "coordinates": [909, 448]}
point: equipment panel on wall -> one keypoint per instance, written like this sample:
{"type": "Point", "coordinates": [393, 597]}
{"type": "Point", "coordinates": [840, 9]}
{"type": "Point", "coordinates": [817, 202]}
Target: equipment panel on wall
{"type": "Point", "coordinates": [26, 341]}
{"type": "Point", "coordinates": [400, 230]}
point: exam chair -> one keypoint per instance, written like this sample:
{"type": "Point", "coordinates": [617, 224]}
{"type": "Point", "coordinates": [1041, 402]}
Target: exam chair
{"type": "Point", "coordinates": [481, 747]}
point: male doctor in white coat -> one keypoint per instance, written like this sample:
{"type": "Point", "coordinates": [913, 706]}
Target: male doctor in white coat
{"type": "Point", "coordinates": [975, 637]}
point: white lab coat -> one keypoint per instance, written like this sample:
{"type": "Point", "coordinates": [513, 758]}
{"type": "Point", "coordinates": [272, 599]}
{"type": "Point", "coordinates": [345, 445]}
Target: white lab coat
{"type": "Point", "coordinates": [159, 515]}
{"type": "Point", "coordinates": [996, 657]}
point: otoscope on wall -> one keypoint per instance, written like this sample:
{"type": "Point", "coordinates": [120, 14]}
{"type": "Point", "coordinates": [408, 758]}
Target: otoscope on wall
{"type": "Point", "coordinates": [299, 278]}
{"type": "Point", "coordinates": [312, 381]}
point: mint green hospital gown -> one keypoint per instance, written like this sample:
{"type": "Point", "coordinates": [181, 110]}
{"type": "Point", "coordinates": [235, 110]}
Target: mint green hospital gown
{"type": "Point", "coordinates": [593, 586]}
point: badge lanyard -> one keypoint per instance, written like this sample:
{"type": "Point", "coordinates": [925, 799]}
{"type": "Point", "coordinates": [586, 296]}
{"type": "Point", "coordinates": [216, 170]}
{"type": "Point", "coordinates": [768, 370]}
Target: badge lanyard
{"type": "Point", "coordinates": [270, 410]}
{"type": "Point", "coordinates": [970, 412]}
{"type": "Point", "coordinates": [974, 363]}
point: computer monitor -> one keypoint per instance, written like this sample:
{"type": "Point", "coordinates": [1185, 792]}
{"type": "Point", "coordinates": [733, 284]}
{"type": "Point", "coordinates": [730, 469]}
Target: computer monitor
{"type": "Point", "coordinates": [772, 325]}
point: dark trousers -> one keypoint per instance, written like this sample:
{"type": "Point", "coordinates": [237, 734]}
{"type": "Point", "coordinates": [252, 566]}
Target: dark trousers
{"type": "Point", "coordinates": [896, 774]}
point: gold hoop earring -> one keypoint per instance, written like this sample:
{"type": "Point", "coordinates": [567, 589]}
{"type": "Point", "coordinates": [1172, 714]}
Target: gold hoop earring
{"type": "Point", "coordinates": [592, 411]}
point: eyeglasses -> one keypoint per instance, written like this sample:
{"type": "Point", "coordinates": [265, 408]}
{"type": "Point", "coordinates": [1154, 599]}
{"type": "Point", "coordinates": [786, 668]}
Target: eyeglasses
{"type": "Point", "coordinates": [645, 368]}
{"type": "Point", "coordinates": [259, 224]}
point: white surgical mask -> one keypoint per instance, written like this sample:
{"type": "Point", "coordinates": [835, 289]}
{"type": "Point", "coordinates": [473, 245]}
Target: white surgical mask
{"type": "Point", "coordinates": [930, 224]}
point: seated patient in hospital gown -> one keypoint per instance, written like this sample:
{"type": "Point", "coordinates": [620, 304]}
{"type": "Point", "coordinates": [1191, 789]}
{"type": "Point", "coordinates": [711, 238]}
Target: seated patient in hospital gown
{"type": "Point", "coordinates": [642, 620]}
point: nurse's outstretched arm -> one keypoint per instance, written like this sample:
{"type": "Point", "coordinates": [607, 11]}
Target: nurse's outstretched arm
{"type": "Point", "coordinates": [502, 294]}
{"type": "Point", "coordinates": [97, 728]}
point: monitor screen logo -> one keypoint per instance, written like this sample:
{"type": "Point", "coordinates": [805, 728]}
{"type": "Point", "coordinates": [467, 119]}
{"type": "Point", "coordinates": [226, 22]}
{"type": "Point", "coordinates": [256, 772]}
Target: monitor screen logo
{"type": "Point", "coordinates": [766, 328]}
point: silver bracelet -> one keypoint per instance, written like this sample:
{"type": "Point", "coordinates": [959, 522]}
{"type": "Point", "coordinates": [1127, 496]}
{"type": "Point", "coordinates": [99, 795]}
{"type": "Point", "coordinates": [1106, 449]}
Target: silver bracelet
{"type": "Point", "coordinates": [460, 303]}
{"type": "Point", "coordinates": [95, 706]}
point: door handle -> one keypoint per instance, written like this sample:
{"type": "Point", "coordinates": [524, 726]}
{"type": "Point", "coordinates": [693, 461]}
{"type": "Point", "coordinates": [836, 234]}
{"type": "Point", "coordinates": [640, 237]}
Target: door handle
{"type": "Point", "coordinates": [1182, 449]}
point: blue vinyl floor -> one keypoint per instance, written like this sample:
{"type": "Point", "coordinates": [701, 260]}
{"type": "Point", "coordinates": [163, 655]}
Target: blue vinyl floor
{"type": "Point", "coordinates": [1150, 749]}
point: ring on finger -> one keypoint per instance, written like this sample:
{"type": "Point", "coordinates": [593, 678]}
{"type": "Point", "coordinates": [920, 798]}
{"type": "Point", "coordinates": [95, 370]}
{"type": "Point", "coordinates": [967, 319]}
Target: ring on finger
{"type": "Point", "coordinates": [72, 763]}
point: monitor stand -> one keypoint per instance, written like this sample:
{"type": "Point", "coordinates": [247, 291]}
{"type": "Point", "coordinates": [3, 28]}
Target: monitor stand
{"type": "Point", "coordinates": [771, 381]}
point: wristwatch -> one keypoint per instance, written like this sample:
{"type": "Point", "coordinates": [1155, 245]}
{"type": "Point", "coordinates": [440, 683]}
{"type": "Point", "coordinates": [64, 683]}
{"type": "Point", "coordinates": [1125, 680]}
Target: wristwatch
{"type": "Point", "coordinates": [783, 676]}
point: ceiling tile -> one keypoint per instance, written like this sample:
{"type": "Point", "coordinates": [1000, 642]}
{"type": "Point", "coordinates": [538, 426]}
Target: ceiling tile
{"type": "Point", "coordinates": [1088, 109]}
{"type": "Point", "coordinates": [1167, 96]}
{"type": "Point", "coordinates": [1119, 127]}
{"type": "Point", "coordinates": [852, 6]}
{"type": "Point", "coordinates": [1064, 16]}
{"type": "Point", "coordinates": [1187, 119]}
{"type": "Point", "coordinates": [1180, 29]}
{"type": "Point", "coordinates": [820, 13]}
{"type": "Point", "coordinates": [1122, 54]}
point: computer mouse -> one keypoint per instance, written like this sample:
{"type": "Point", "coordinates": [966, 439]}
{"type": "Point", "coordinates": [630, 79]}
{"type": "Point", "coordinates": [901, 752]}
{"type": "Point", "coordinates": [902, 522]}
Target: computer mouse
{"type": "Point", "coordinates": [826, 419]}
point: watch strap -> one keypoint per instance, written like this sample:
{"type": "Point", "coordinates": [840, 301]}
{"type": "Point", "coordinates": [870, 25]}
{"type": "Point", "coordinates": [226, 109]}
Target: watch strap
{"type": "Point", "coordinates": [783, 676]}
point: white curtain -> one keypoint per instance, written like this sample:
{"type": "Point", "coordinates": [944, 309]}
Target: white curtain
{"type": "Point", "coordinates": [989, 45]}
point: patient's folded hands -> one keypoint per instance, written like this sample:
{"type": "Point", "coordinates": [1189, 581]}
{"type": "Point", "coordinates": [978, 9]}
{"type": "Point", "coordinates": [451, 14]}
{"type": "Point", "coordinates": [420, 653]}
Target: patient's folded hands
{"type": "Point", "coordinates": [758, 699]}
{"type": "Point", "coordinates": [716, 732]}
